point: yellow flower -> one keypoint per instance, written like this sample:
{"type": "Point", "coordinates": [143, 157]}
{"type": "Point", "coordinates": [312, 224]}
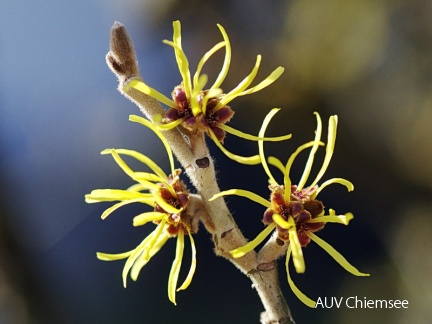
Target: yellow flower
{"type": "Point", "coordinates": [168, 197]}
{"type": "Point", "coordinates": [293, 210]}
{"type": "Point", "coordinates": [198, 110]}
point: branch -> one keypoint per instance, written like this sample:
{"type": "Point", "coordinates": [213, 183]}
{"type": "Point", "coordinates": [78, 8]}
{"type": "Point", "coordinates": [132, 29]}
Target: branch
{"type": "Point", "coordinates": [194, 156]}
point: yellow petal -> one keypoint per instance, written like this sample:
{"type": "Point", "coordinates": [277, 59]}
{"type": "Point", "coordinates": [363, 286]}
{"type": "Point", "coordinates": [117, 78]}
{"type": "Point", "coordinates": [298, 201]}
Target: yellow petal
{"type": "Point", "coordinates": [266, 82]}
{"type": "Point", "coordinates": [249, 137]}
{"type": "Point", "coordinates": [113, 257]}
{"type": "Point", "coordinates": [144, 252]}
{"type": "Point", "coordinates": [140, 262]}
{"type": "Point", "coordinates": [297, 251]}
{"type": "Point", "coordinates": [282, 222]}
{"type": "Point", "coordinates": [122, 164]}
{"type": "Point", "coordinates": [171, 125]}
{"type": "Point", "coordinates": [143, 159]}
{"type": "Point", "coordinates": [147, 184]}
{"type": "Point", "coordinates": [241, 86]}
{"type": "Point", "coordinates": [243, 193]}
{"type": "Point", "coordinates": [136, 187]}
{"type": "Point", "coordinates": [189, 277]}
{"type": "Point", "coordinates": [252, 160]}
{"type": "Point", "coordinates": [175, 268]}
{"type": "Point", "coordinates": [335, 255]}
{"type": "Point", "coordinates": [204, 59]}
{"type": "Point", "coordinates": [146, 179]}
{"type": "Point", "coordinates": [212, 93]}
{"type": "Point", "coordinates": [183, 65]}
{"type": "Point", "coordinates": [181, 58]}
{"type": "Point", "coordinates": [305, 299]}
{"type": "Point", "coordinates": [144, 88]}
{"type": "Point", "coordinates": [137, 252]}
{"type": "Point", "coordinates": [276, 163]}
{"type": "Point", "coordinates": [165, 205]}
{"type": "Point", "coordinates": [99, 195]}
{"type": "Point", "coordinates": [241, 251]}
{"type": "Point", "coordinates": [261, 133]}
{"type": "Point", "coordinates": [150, 125]}
{"type": "Point", "coordinates": [195, 106]}
{"type": "Point", "coordinates": [341, 219]}
{"type": "Point", "coordinates": [309, 163]}
{"type": "Point", "coordinates": [346, 183]}
{"type": "Point", "coordinates": [144, 218]}
{"type": "Point", "coordinates": [154, 239]}
{"type": "Point", "coordinates": [139, 175]}
{"type": "Point", "coordinates": [331, 140]}
{"type": "Point", "coordinates": [287, 180]}
{"type": "Point", "coordinates": [110, 210]}
{"type": "Point", "coordinates": [227, 60]}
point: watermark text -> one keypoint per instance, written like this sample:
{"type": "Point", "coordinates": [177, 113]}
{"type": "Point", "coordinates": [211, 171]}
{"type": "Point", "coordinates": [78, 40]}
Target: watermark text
{"type": "Point", "coordinates": [359, 302]}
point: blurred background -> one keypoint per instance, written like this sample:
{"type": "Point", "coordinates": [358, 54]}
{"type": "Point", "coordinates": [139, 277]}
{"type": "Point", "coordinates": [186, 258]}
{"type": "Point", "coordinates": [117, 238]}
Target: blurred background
{"type": "Point", "coordinates": [369, 62]}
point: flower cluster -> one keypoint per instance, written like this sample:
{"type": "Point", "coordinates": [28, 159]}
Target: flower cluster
{"type": "Point", "coordinates": [293, 210]}
{"type": "Point", "coordinates": [196, 109]}
{"type": "Point", "coordinates": [168, 197]}
{"type": "Point", "coordinates": [292, 214]}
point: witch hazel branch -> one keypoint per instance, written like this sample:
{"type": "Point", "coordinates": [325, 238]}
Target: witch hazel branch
{"type": "Point", "coordinates": [291, 215]}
